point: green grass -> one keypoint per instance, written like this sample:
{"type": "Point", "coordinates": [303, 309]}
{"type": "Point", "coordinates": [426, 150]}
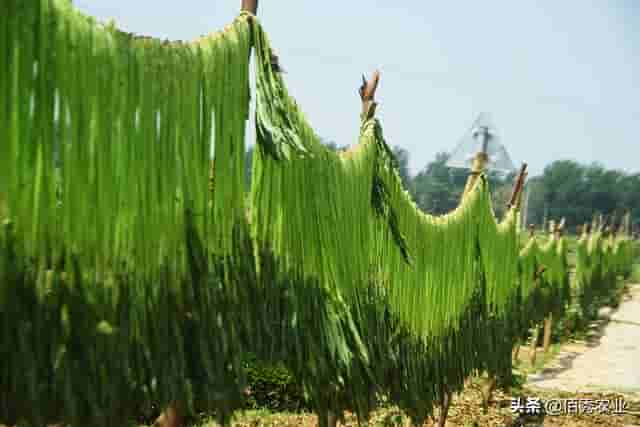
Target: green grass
{"type": "Point", "coordinates": [542, 359]}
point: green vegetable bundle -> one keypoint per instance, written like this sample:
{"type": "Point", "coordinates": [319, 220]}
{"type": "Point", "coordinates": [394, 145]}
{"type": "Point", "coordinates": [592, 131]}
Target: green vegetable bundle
{"type": "Point", "coordinates": [599, 262]}
{"type": "Point", "coordinates": [110, 297]}
{"type": "Point", "coordinates": [342, 221]}
{"type": "Point", "coordinates": [125, 279]}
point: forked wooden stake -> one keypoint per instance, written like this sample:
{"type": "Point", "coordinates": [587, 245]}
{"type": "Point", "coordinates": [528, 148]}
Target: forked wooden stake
{"type": "Point", "coordinates": [479, 162]}
{"type": "Point", "coordinates": [367, 93]}
{"type": "Point", "coordinates": [517, 188]}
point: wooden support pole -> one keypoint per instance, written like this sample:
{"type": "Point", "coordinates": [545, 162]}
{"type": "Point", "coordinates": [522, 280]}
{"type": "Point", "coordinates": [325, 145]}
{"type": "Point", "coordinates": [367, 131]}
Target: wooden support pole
{"type": "Point", "coordinates": [250, 6]}
{"type": "Point", "coordinates": [517, 188]}
{"type": "Point", "coordinates": [327, 418]}
{"type": "Point", "coordinates": [536, 332]}
{"type": "Point", "coordinates": [333, 419]}
{"type": "Point", "coordinates": [171, 417]}
{"type": "Point", "coordinates": [444, 407]}
{"type": "Point", "coordinates": [548, 324]}
{"type": "Point", "coordinates": [520, 193]}
{"type": "Point", "coordinates": [477, 168]}
{"type": "Point", "coordinates": [515, 353]}
{"type": "Point", "coordinates": [367, 93]}
{"type": "Point", "coordinates": [487, 393]}
{"type": "Point", "coordinates": [534, 346]}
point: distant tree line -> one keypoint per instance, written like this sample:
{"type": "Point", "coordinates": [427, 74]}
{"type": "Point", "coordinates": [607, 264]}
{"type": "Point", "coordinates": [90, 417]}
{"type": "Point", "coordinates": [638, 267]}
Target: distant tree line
{"type": "Point", "coordinates": [578, 192]}
{"type": "Point", "coordinates": [566, 189]}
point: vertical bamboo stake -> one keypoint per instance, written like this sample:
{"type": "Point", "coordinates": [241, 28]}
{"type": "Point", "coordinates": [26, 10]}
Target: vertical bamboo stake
{"type": "Point", "coordinates": [516, 352]}
{"type": "Point", "coordinates": [444, 408]}
{"type": "Point", "coordinates": [548, 323]}
{"type": "Point", "coordinates": [536, 331]}
{"type": "Point", "coordinates": [367, 93]}
{"type": "Point", "coordinates": [332, 419]}
{"type": "Point", "coordinates": [487, 393]}
{"type": "Point", "coordinates": [556, 229]}
{"type": "Point", "coordinates": [326, 418]}
{"type": "Point", "coordinates": [250, 6]}
{"type": "Point", "coordinates": [534, 344]}
{"type": "Point", "coordinates": [517, 188]}
{"type": "Point", "coordinates": [477, 168]}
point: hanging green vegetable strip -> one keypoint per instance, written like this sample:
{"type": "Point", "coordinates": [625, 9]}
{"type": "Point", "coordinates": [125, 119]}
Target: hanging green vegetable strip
{"type": "Point", "coordinates": [499, 252]}
{"type": "Point", "coordinates": [623, 255]}
{"type": "Point", "coordinates": [345, 222]}
{"type": "Point", "coordinates": [124, 280]}
{"type": "Point", "coordinates": [544, 279]}
{"type": "Point", "coordinates": [105, 155]}
{"type": "Point", "coordinates": [599, 262]}
{"type": "Point", "coordinates": [288, 206]}
{"type": "Point", "coordinates": [299, 225]}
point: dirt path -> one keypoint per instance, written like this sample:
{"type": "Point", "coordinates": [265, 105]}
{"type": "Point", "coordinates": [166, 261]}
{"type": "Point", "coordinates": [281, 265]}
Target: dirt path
{"type": "Point", "coordinates": [608, 362]}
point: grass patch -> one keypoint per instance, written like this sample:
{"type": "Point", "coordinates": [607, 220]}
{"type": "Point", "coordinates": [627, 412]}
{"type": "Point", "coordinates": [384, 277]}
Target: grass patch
{"type": "Point", "coordinates": [524, 366]}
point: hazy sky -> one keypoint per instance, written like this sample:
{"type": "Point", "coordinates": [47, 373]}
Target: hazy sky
{"type": "Point", "coordinates": [561, 79]}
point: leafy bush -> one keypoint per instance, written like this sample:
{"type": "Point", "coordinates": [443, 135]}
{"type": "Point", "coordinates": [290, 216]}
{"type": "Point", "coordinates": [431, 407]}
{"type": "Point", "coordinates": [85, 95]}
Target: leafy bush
{"type": "Point", "coordinates": [273, 387]}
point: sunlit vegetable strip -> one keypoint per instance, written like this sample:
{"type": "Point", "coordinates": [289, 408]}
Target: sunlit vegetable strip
{"type": "Point", "coordinates": [103, 172]}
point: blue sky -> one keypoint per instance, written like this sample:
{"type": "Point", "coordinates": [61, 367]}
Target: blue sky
{"type": "Point", "coordinates": [561, 79]}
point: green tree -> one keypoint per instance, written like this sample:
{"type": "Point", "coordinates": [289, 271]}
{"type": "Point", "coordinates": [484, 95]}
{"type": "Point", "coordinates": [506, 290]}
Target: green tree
{"type": "Point", "coordinates": [578, 192]}
{"type": "Point", "coordinates": [438, 188]}
{"type": "Point", "coordinates": [402, 163]}
{"type": "Point", "coordinates": [563, 185]}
